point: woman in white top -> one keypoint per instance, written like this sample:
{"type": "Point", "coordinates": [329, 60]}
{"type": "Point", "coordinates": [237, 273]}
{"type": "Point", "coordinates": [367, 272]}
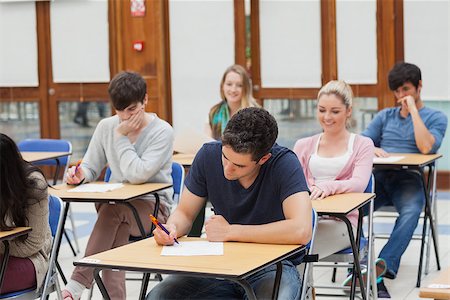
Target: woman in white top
{"type": "Point", "coordinates": [335, 161]}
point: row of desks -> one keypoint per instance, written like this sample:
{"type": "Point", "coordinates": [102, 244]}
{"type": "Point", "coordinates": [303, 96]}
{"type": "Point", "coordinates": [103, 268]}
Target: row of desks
{"type": "Point", "coordinates": [338, 205]}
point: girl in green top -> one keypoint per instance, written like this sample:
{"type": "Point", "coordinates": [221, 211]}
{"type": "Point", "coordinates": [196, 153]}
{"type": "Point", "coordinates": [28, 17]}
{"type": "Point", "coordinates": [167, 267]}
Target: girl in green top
{"type": "Point", "coordinates": [236, 93]}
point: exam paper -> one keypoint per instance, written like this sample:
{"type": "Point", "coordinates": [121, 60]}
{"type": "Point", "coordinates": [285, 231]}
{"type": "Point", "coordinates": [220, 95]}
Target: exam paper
{"type": "Point", "coordinates": [96, 188]}
{"type": "Point", "coordinates": [439, 286]}
{"type": "Point", "coordinates": [389, 159]}
{"type": "Point", "coordinates": [193, 249]}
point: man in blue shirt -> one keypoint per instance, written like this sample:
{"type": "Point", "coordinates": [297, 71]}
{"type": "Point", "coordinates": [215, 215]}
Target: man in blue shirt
{"type": "Point", "coordinates": [408, 128]}
{"type": "Point", "coordinates": [259, 195]}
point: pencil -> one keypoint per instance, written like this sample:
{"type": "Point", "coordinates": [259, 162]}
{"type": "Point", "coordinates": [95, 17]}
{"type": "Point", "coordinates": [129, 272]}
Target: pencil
{"type": "Point", "coordinates": [158, 224]}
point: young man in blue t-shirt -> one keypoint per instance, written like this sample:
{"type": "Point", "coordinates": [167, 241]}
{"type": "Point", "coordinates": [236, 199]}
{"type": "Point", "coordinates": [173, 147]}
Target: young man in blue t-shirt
{"type": "Point", "coordinates": [259, 195]}
{"type": "Point", "coordinates": [409, 128]}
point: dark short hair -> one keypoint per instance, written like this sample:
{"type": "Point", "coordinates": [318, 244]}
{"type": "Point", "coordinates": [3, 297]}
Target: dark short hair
{"type": "Point", "coordinates": [404, 72]}
{"type": "Point", "coordinates": [252, 131]}
{"type": "Point", "coordinates": [127, 88]}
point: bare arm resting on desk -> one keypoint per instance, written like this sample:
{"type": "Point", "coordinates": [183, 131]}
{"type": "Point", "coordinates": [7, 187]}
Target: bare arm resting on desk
{"type": "Point", "coordinates": [296, 229]}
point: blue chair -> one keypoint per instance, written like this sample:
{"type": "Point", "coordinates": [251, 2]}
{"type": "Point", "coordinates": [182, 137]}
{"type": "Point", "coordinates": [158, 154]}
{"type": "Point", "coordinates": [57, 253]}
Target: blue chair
{"type": "Point", "coordinates": [178, 181]}
{"type": "Point", "coordinates": [51, 282]}
{"type": "Point", "coordinates": [48, 145]}
{"type": "Point", "coordinates": [52, 145]}
{"type": "Point", "coordinates": [344, 258]}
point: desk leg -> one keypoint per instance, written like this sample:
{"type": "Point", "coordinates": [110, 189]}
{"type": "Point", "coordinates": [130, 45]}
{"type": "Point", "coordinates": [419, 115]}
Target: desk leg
{"type": "Point", "coordinates": [138, 219]}
{"type": "Point", "coordinates": [371, 268]}
{"type": "Point", "coordinates": [247, 288]}
{"type": "Point", "coordinates": [4, 262]}
{"type": "Point", "coordinates": [428, 215]}
{"type": "Point", "coordinates": [58, 166]}
{"type": "Point", "coordinates": [144, 286]}
{"type": "Point", "coordinates": [276, 284]}
{"type": "Point", "coordinates": [355, 250]}
{"type": "Point", "coordinates": [59, 239]}
{"type": "Point", "coordinates": [100, 284]}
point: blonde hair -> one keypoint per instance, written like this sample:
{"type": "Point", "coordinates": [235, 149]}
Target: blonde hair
{"type": "Point", "coordinates": [340, 89]}
{"type": "Point", "coordinates": [247, 99]}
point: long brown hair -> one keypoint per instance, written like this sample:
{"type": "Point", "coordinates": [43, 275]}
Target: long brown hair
{"type": "Point", "coordinates": [17, 188]}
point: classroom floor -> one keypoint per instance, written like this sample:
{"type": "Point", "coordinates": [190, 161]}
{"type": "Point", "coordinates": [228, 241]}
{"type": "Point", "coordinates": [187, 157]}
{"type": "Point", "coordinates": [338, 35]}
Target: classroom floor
{"type": "Point", "coordinates": [401, 288]}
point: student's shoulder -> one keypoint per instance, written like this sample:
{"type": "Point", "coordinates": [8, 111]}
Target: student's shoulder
{"type": "Point", "coordinates": [37, 176]}
{"type": "Point", "coordinates": [108, 122]}
{"type": "Point", "coordinates": [210, 153]}
{"type": "Point", "coordinates": [305, 142]}
{"type": "Point", "coordinates": [389, 112]}
{"type": "Point", "coordinates": [282, 155]}
{"type": "Point", "coordinates": [435, 113]}
{"type": "Point", "coordinates": [211, 148]}
{"type": "Point", "coordinates": [363, 140]}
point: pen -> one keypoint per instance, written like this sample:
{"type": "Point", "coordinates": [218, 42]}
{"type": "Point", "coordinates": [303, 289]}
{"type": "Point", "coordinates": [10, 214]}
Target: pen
{"type": "Point", "coordinates": [76, 168]}
{"type": "Point", "coordinates": [158, 224]}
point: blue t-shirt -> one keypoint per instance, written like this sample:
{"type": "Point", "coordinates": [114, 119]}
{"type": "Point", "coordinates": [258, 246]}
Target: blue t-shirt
{"type": "Point", "coordinates": [279, 177]}
{"type": "Point", "coordinates": [393, 133]}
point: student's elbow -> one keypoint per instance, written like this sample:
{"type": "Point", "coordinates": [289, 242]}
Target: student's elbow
{"type": "Point", "coordinates": [425, 149]}
{"type": "Point", "coordinates": [134, 179]}
{"type": "Point", "coordinates": [302, 236]}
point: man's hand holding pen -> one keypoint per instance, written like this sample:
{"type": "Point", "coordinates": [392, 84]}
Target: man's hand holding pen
{"type": "Point", "coordinates": [162, 238]}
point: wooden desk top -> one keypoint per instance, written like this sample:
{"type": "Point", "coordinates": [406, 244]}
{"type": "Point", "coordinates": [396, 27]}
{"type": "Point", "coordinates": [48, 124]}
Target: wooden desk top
{"type": "Point", "coordinates": [38, 156]}
{"type": "Point", "coordinates": [127, 192]}
{"type": "Point", "coordinates": [341, 203]}
{"type": "Point", "coordinates": [184, 159]}
{"type": "Point", "coordinates": [12, 234]}
{"type": "Point", "coordinates": [238, 260]}
{"type": "Point", "coordinates": [411, 159]}
{"type": "Point", "coordinates": [443, 278]}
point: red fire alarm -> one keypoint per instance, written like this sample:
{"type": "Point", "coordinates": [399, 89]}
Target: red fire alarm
{"type": "Point", "coordinates": [138, 46]}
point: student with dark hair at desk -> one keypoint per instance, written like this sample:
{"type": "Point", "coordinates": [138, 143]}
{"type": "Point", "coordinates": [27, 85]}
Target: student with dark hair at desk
{"type": "Point", "coordinates": [259, 195]}
{"type": "Point", "coordinates": [23, 202]}
{"type": "Point", "coordinates": [409, 128]}
{"type": "Point", "coordinates": [137, 147]}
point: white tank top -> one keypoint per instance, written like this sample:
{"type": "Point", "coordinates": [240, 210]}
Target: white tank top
{"type": "Point", "coordinates": [327, 168]}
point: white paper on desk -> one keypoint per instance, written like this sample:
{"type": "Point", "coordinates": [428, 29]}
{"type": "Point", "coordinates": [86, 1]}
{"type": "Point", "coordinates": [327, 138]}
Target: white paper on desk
{"type": "Point", "coordinates": [389, 159]}
{"type": "Point", "coordinates": [439, 286]}
{"type": "Point", "coordinates": [197, 248]}
{"type": "Point", "coordinates": [96, 188]}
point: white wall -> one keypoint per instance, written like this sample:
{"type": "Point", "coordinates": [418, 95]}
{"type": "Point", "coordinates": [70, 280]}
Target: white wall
{"type": "Point", "coordinates": [290, 37]}
{"type": "Point", "coordinates": [356, 36]}
{"type": "Point", "coordinates": [80, 41]}
{"type": "Point", "coordinates": [427, 44]}
{"type": "Point", "coordinates": [201, 48]}
{"type": "Point", "coordinates": [18, 44]}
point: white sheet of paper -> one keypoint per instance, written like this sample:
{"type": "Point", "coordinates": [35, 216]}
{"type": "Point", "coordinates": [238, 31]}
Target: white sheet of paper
{"type": "Point", "coordinates": [96, 188]}
{"type": "Point", "coordinates": [389, 159]}
{"type": "Point", "coordinates": [439, 286]}
{"type": "Point", "coordinates": [196, 248]}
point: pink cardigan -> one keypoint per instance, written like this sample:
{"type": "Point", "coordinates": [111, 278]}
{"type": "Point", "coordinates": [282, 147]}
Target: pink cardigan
{"type": "Point", "coordinates": [355, 175]}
